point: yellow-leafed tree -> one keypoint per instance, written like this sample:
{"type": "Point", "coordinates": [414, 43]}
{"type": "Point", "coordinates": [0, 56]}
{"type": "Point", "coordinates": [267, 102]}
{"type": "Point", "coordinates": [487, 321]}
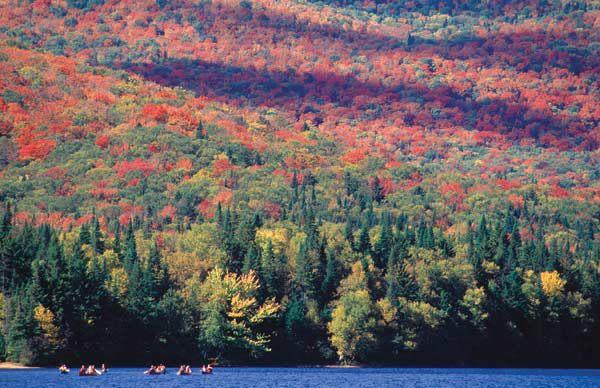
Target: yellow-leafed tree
{"type": "Point", "coordinates": [232, 317]}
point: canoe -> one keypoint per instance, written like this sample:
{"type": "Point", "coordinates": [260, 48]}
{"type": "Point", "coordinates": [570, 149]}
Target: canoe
{"type": "Point", "coordinates": [205, 372]}
{"type": "Point", "coordinates": [64, 372]}
{"type": "Point", "coordinates": [98, 373]}
{"type": "Point", "coordinates": [183, 374]}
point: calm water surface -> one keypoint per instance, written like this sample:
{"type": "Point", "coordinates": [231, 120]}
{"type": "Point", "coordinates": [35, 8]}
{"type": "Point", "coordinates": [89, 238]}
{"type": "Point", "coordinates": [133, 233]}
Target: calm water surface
{"type": "Point", "coordinates": [310, 377]}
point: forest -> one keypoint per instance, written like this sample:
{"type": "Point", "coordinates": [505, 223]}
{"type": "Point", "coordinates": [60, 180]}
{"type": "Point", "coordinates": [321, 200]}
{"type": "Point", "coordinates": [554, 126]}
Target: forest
{"type": "Point", "coordinates": [300, 182]}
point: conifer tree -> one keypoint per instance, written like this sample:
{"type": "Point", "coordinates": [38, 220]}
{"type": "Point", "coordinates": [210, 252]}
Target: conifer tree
{"type": "Point", "coordinates": [130, 256]}
{"type": "Point", "coordinates": [96, 238]}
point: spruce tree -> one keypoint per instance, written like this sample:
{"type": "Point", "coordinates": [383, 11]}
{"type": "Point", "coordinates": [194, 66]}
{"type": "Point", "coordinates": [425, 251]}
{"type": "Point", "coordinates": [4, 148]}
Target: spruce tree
{"type": "Point", "coordinates": [84, 234]}
{"type": "Point", "coordinates": [363, 244]}
{"type": "Point", "coordinates": [200, 132]}
{"type": "Point", "coordinates": [331, 278]}
{"type": "Point", "coordinates": [130, 256]}
{"type": "Point", "coordinates": [96, 238]}
{"type": "Point", "coordinates": [381, 248]}
{"type": "Point", "coordinates": [252, 259]}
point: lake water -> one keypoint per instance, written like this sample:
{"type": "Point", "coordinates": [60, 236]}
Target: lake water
{"type": "Point", "coordinates": [310, 377]}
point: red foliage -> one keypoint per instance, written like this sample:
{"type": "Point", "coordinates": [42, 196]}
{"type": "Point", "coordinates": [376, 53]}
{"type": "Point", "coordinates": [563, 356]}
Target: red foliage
{"type": "Point", "coordinates": [206, 208]}
{"type": "Point", "coordinates": [124, 218]}
{"type": "Point", "coordinates": [156, 112]}
{"type": "Point", "coordinates": [57, 173]}
{"type": "Point", "coordinates": [220, 166]}
{"type": "Point", "coordinates": [37, 149]}
{"type": "Point", "coordinates": [517, 200]}
{"type": "Point", "coordinates": [451, 188]}
{"type": "Point", "coordinates": [223, 197]}
{"type": "Point", "coordinates": [168, 212]}
{"type": "Point", "coordinates": [508, 185]}
{"type": "Point", "coordinates": [103, 141]}
{"type": "Point", "coordinates": [273, 210]}
{"type": "Point", "coordinates": [133, 182]}
{"type": "Point", "coordinates": [125, 167]}
{"type": "Point", "coordinates": [558, 192]}
{"type": "Point", "coordinates": [354, 156]}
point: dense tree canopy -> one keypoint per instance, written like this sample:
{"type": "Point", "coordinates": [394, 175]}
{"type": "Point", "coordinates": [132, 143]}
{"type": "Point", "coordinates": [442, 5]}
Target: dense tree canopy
{"type": "Point", "coordinates": [332, 181]}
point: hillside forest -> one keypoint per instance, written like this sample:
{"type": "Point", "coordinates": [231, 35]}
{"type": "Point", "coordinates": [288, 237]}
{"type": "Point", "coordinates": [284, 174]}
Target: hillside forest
{"type": "Point", "coordinates": [300, 182]}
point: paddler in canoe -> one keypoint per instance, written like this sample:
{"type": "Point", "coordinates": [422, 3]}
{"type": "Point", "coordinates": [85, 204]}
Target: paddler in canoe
{"type": "Point", "coordinates": [184, 370]}
{"type": "Point", "coordinates": [63, 369]}
{"type": "Point", "coordinates": [207, 369]}
{"type": "Point", "coordinates": [89, 371]}
{"type": "Point", "coordinates": [156, 370]}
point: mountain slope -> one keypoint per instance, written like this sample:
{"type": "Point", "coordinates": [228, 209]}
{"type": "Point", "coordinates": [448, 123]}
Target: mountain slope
{"type": "Point", "coordinates": [300, 182]}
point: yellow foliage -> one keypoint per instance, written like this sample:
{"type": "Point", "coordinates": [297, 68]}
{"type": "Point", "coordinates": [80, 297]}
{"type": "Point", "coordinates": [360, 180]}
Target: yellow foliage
{"type": "Point", "coordinates": [423, 313]}
{"type": "Point", "coordinates": [45, 318]}
{"type": "Point", "coordinates": [387, 311]}
{"type": "Point", "coordinates": [490, 267]}
{"type": "Point", "coordinates": [200, 241]}
{"type": "Point", "coordinates": [116, 284]}
{"type": "Point", "coordinates": [552, 284]}
{"type": "Point", "coordinates": [202, 176]}
{"type": "Point", "coordinates": [334, 233]}
{"type": "Point", "coordinates": [473, 301]}
{"type": "Point", "coordinates": [357, 280]}
{"type": "Point", "coordinates": [255, 126]}
{"type": "Point", "coordinates": [530, 288]}
{"type": "Point", "coordinates": [183, 266]}
{"type": "Point", "coordinates": [352, 327]}
{"type": "Point", "coordinates": [232, 298]}
{"type": "Point", "coordinates": [110, 259]}
{"type": "Point", "coordinates": [278, 237]}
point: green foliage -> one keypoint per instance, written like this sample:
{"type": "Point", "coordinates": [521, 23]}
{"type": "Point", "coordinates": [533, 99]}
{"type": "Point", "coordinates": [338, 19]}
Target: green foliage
{"type": "Point", "coordinates": [84, 4]}
{"type": "Point", "coordinates": [353, 327]}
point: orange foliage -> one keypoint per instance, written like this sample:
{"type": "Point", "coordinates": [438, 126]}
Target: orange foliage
{"type": "Point", "coordinates": [37, 149]}
{"type": "Point", "coordinates": [155, 112]}
{"type": "Point", "coordinates": [125, 167]}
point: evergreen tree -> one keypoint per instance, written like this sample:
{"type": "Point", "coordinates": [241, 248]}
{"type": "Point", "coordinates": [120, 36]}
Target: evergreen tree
{"type": "Point", "coordinates": [381, 248]}
{"type": "Point", "coordinates": [331, 278]}
{"type": "Point", "coordinates": [157, 271]}
{"type": "Point", "coordinates": [130, 256]}
{"type": "Point", "coordinates": [117, 242]}
{"type": "Point", "coordinates": [252, 260]}
{"type": "Point", "coordinates": [200, 132]}
{"type": "Point", "coordinates": [84, 234]}
{"type": "Point", "coordinates": [6, 223]}
{"type": "Point", "coordinates": [377, 189]}
{"type": "Point", "coordinates": [304, 277]}
{"type": "Point", "coordinates": [96, 238]}
{"type": "Point", "coordinates": [363, 244]}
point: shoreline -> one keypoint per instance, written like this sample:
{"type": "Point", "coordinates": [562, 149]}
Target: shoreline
{"type": "Point", "coordinates": [15, 365]}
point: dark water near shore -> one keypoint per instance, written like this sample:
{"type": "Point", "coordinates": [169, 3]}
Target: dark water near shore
{"type": "Point", "coordinates": [310, 377]}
